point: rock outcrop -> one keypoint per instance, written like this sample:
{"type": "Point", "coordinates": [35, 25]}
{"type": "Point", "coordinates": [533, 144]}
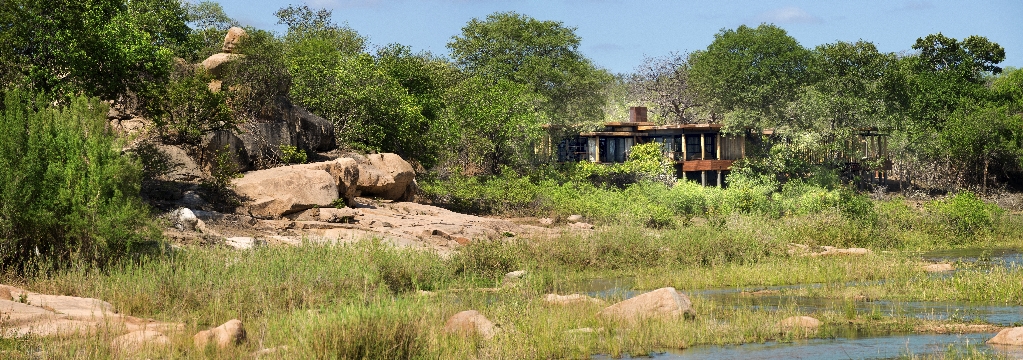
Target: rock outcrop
{"type": "Point", "coordinates": [272, 193]}
{"type": "Point", "coordinates": [27, 313]}
{"type": "Point", "coordinates": [663, 303]}
{"type": "Point", "coordinates": [470, 323]}
{"type": "Point", "coordinates": [1010, 336]}
{"type": "Point", "coordinates": [229, 334]}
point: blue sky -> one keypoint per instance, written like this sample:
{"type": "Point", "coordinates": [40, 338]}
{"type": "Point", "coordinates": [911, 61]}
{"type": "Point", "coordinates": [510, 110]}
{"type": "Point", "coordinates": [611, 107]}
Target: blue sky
{"type": "Point", "coordinates": [617, 34]}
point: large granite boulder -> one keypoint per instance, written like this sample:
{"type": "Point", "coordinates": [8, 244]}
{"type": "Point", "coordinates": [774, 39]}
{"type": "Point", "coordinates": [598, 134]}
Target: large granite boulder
{"type": "Point", "coordinates": [216, 64]}
{"type": "Point", "coordinates": [233, 38]}
{"type": "Point", "coordinates": [229, 334]}
{"type": "Point", "coordinates": [271, 193]}
{"type": "Point", "coordinates": [470, 323]}
{"type": "Point", "coordinates": [1010, 336]}
{"type": "Point", "coordinates": [663, 303]}
{"type": "Point", "coordinates": [387, 176]}
{"type": "Point", "coordinates": [345, 172]}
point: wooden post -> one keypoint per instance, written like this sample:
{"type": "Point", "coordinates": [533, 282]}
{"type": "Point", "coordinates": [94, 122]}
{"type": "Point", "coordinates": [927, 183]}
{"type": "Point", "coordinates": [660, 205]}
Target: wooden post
{"type": "Point", "coordinates": [719, 179]}
{"type": "Point", "coordinates": [703, 149]}
{"type": "Point", "coordinates": [742, 145]}
{"type": "Point", "coordinates": [685, 148]}
{"type": "Point", "coordinates": [717, 144]}
{"type": "Point", "coordinates": [597, 150]}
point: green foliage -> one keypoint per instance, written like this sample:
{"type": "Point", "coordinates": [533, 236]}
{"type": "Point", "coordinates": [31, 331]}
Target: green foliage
{"type": "Point", "coordinates": [259, 80]}
{"type": "Point", "coordinates": [292, 155]}
{"type": "Point", "coordinates": [222, 170]}
{"type": "Point", "coordinates": [189, 109]}
{"type": "Point", "coordinates": [754, 70]}
{"type": "Point", "coordinates": [105, 48]}
{"type": "Point", "coordinates": [965, 213]}
{"type": "Point", "coordinates": [542, 55]}
{"type": "Point", "coordinates": [209, 25]}
{"type": "Point", "coordinates": [368, 333]}
{"type": "Point", "coordinates": [67, 191]}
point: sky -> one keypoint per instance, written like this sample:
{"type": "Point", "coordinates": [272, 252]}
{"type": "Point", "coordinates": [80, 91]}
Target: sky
{"type": "Point", "coordinates": [618, 34]}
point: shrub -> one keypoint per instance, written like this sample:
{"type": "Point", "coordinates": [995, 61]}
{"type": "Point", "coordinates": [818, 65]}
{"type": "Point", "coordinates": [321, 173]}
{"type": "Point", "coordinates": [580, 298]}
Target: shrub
{"type": "Point", "coordinates": [189, 109]}
{"type": "Point", "coordinates": [965, 213]}
{"type": "Point", "coordinates": [67, 191]}
{"type": "Point", "coordinates": [292, 155]}
{"type": "Point", "coordinates": [374, 333]}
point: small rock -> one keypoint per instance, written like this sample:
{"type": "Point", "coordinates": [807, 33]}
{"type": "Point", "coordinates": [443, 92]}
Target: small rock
{"type": "Point", "coordinates": [437, 232]}
{"type": "Point", "coordinates": [804, 322]}
{"type": "Point", "coordinates": [139, 339]}
{"type": "Point", "coordinates": [660, 303]}
{"type": "Point", "coordinates": [184, 219]}
{"type": "Point", "coordinates": [546, 221]}
{"type": "Point", "coordinates": [581, 225]}
{"type": "Point", "coordinates": [938, 268]}
{"type": "Point", "coordinates": [461, 240]}
{"type": "Point", "coordinates": [572, 299]}
{"type": "Point", "coordinates": [1010, 336]}
{"type": "Point", "coordinates": [333, 215]}
{"type": "Point", "coordinates": [575, 218]}
{"type": "Point", "coordinates": [242, 242]}
{"type": "Point", "coordinates": [229, 334]}
{"type": "Point", "coordinates": [470, 323]}
{"type": "Point", "coordinates": [191, 200]}
{"type": "Point", "coordinates": [515, 274]}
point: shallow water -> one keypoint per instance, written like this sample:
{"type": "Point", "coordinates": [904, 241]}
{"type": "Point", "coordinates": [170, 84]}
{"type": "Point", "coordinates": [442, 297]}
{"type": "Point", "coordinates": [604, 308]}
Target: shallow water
{"type": "Point", "coordinates": [1007, 257]}
{"type": "Point", "coordinates": [847, 348]}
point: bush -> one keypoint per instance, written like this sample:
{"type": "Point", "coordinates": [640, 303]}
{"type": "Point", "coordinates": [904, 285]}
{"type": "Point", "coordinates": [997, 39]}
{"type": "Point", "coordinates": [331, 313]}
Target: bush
{"type": "Point", "coordinates": [965, 213]}
{"type": "Point", "coordinates": [292, 155]}
{"type": "Point", "coordinates": [67, 191]}
{"type": "Point", "coordinates": [374, 333]}
{"type": "Point", "coordinates": [189, 109]}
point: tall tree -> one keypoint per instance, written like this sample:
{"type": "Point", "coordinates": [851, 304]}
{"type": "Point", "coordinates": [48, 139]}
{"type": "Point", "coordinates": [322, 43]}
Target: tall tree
{"type": "Point", "coordinates": [664, 83]}
{"type": "Point", "coordinates": [104, 48]}
{"type": "Point", "coordinates": [544, 55]}
{"type": "Point", "coordinates": [750, 74]}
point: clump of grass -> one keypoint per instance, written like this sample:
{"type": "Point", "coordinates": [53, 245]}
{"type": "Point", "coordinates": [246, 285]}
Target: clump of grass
{"type": "Point", "coordinates": [366, 333]}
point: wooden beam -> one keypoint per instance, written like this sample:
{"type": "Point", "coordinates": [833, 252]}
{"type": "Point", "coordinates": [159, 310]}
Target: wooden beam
{"type": "Point", "coordinates": [684, 148]}
{"type": "Point", "coordinates": [717, 144]}
{"type": "Point", "coordinates": [707, 165]}
{"type": "Point", "coordinates": [703, 148]}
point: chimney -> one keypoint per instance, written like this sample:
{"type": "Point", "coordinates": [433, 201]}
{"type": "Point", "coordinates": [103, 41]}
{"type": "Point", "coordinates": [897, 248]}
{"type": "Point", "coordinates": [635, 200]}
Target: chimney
{"type": "Point", "coordinates": [637, 114]}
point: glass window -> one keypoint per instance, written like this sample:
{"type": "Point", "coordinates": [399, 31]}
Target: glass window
{"type": "Point", "coordinates": [693, 147]}
{"type": "Point", "coordinates": [708, 141]}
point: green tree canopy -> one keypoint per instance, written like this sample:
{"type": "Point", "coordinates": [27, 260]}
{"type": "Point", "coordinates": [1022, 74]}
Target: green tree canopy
{"type": "Point", "coordinates": [750, 72]}
{"type": "Point", "coordinates": [104, 48]}
{"type": "Point", "coordinates": [544, 55]}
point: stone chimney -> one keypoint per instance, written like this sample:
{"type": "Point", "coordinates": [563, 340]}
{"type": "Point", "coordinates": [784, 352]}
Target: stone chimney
{"type": "Point", "coordinates": [637, 114]}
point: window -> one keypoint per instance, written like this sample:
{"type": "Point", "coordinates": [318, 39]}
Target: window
{"type": "Point", "coordinates": [709, 146]}
{"type": "Point", "coordinates": [693, 147]}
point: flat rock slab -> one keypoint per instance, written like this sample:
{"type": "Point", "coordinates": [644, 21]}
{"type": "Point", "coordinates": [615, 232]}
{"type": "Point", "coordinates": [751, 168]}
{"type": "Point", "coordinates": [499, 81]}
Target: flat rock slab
{"type": "Point", "coordinates": [275, 192]}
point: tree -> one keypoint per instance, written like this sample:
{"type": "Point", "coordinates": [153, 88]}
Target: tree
{"type": "Point", "coordinates": [543, 55]}
{"type": "Point", "coordinates": [664, 83]}
{"type": "Point", "coordinates": [970, 57]}
{"type": "Point", "coordinates": [105, 48]}
{"type": "Point", "coordinates": [750, 73]}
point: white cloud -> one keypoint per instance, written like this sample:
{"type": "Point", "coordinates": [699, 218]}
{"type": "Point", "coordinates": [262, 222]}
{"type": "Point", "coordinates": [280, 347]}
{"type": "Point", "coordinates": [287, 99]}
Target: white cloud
{"type": "Point", "coordinates": [787, 15]}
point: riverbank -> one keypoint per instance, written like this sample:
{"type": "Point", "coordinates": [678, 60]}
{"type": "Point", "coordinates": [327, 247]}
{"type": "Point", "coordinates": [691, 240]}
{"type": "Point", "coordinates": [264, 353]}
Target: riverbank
{"type": "Point", "coordinates": [371, 299]}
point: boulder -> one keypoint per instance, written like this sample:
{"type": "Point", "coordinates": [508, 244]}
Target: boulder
{"type": "Point", "coordinates": [470, 323]}
{"type": "Point", "coordinates": [230, 333]}
{"type": "Point", "coordinates": [224, 140]}
{"type": "Point", "coordinates": [181, 166]}
{"type": "Point", "coordinates": [1010, 336]}
{"type": "Point", "coordinates": [546, 221]}
{"type": "Point", "coordinates": [572, 299]}
{"type": "Point", "coordinates": [663, 303]}
{"type": "Point", "coordinates": [242, 242]}
{"type": "Point", "coordinates": [804, 322]}
{"type": "Point", "coordinates": [333, 215]}
{"type": "Point", "coordinates": [274, 192]}
{"type": "Point", "coordinates": [139, 339]}
{"type": "Point", "coordinates": [233, 38]}
{"type": "Point", "coordinates": [400, 173]}
{"type": "Point", "coordinates": [184, 219]}
{"type": "Point", "coordinates": [574, 218]}
{"type": "Point", "coordinates": [345, 172]}
{"type": "Point", "coordinates": [215, 64]}
{"type": "Point", "coordinates": [517, 274]}
{"type": "Point", "coordinates": [372, 180]}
